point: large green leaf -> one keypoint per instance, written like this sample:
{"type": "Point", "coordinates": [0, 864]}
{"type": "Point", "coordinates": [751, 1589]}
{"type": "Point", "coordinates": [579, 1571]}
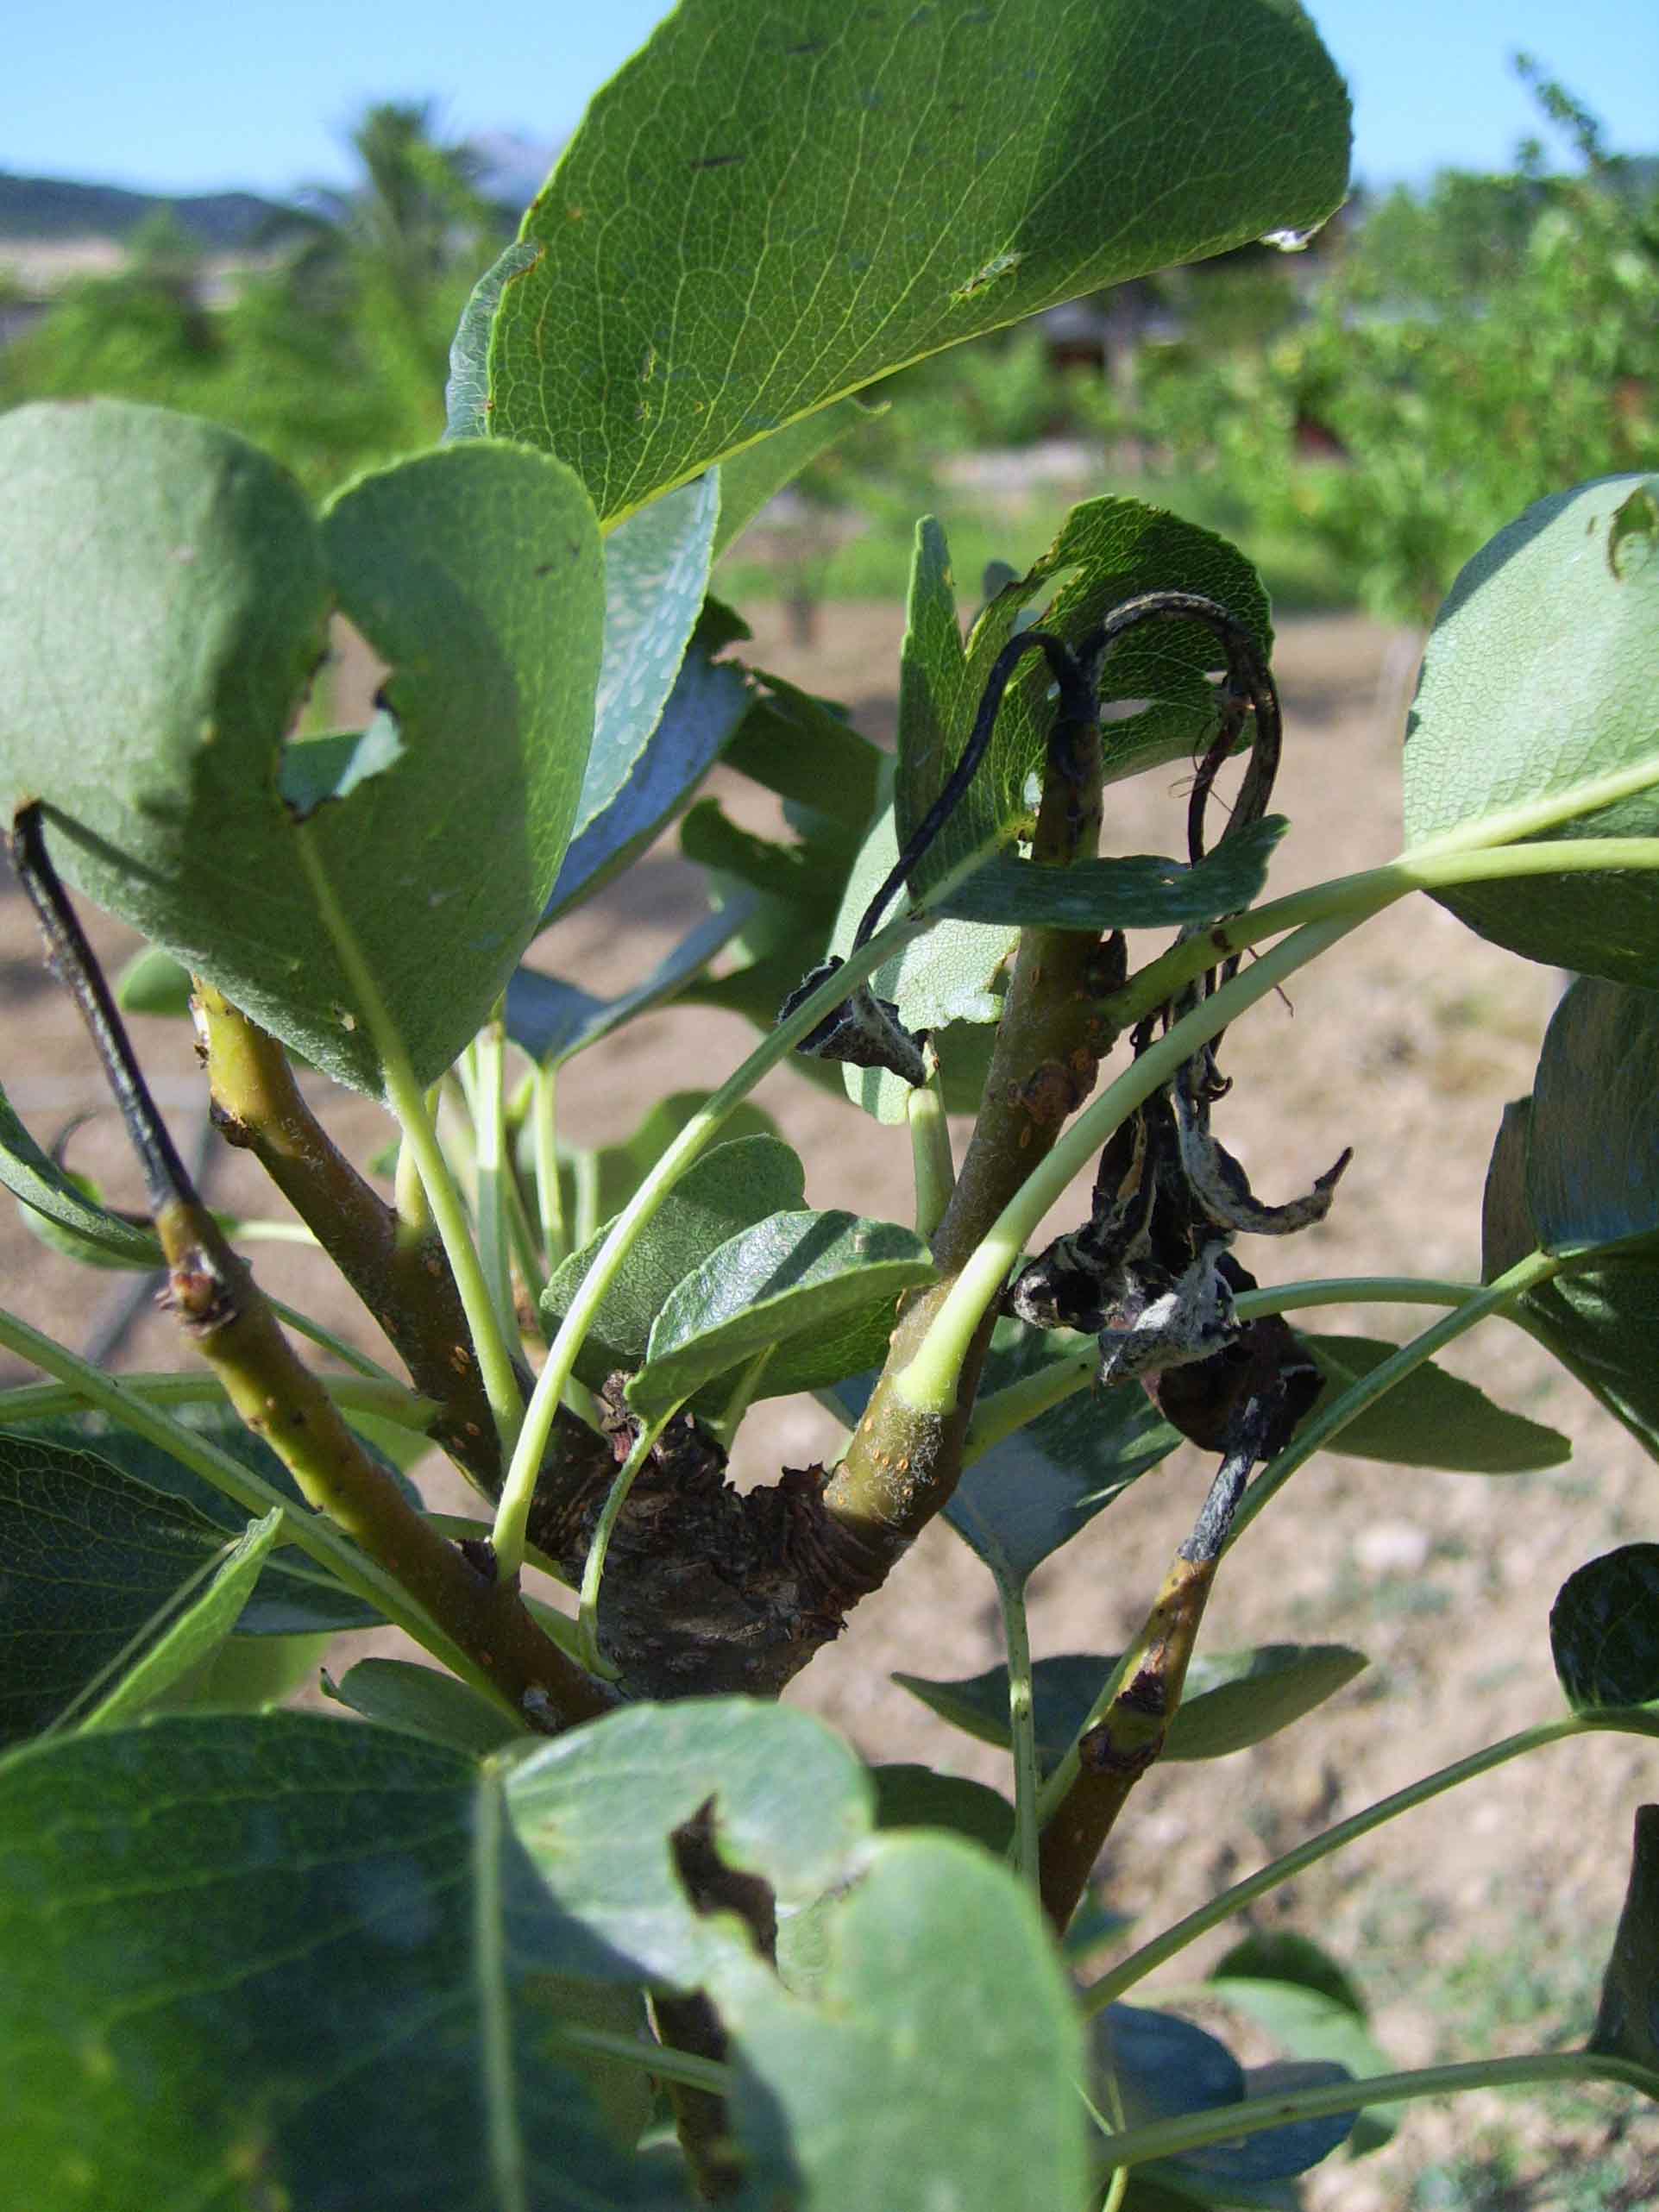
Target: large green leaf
{"type": "Point", "coordinates": [773, 205]}
{"type": "Point", "coordinates": [728, 1189]}
{"type": "Point", "coordinates": [1232, 1698]}
{"type": "Point", "coordinates": [1603, 1630]}
{"type": "Point", "coordinates": [1592, 1144]}
{"type": "Point", "coordinates": [1431, 1418]}
{"type": "Point", "coordinates": [1539, 685]}
{"type": "Point", "coordinates": [153, 728]}
{"type": "Point", "coordinates": [790, 1273]}
{"type": "Point", "coordinates": [933, 1975]}
{"type": "Point", "coordinates": [295, 1960]}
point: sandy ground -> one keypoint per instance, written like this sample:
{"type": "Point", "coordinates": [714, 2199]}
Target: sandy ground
{"type": "Point", "coordinates": [1475, 1924]}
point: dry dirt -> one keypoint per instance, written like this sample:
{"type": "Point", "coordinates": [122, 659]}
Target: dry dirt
{"type": "Point", "coordinates": [1474, 1923]}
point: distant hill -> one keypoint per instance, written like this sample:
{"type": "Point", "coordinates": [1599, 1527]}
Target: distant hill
{"type": "Point", "coordinates": [43, 209]}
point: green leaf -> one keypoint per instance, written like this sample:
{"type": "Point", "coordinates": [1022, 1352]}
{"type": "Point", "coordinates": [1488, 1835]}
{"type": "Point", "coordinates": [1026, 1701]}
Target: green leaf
{"type": "Point", "coordinates": [1603, 1630]}
{"type": "Point", "coordinates": [1107, 549]}
{"type": "Point", "coordinates": [1627, 2020]}
{"type": "Point", "coordinates": [707, 702]}
{"type": "Point", "coordinates": [158, 746]}
{"type": "Point", "coordinates": [1305, 2001]}
{"type": "Point", "coordinates": [945, 981]}
{"type": "Point", "coordinates": [790, 1273]}
{"type": "Point", "coordinates": [295, 1597]}
{"type": "Point", "coordinates": [1431, 1418]}
{"type": "Point", "coordinates": [95, 1563]}
{"type": "Point", "coordinates": [1593, 1148]}
{"type": "Point", "coordinates": [769, 209]}
{"type": "Point", "coordinates": [803, 748]}
{"type": "Point", "coordinates": [917, 1797]}
{"type": "Point", "coordinates": [553, 1020]}
{"type": "Point", "coordinates": [619, 1170]}
{"type": "Point", "coordinates": [843, 2080]}
{"type": "Point", "coordinates": [728, 1189]}
{"type": "Point", "coordinates": [153, 982]}
{"type": "Point", "coordinates": [420, 1700]}
{"type": "Point", "coordinates": [194, 1638]}
{"type": "Point", "coordinates": [1601, 1323]}
{"type": "Point", "coordinates": [1538, 685]}
{"type": "Point", "coordinates": [751, 478]}
{"type": "Point", "coordinates": [936, 705]}
{"type": "Point", "coordinates": [333, 1916]}
{"type": "Point", "coordinates": [1284, 1958]}
{"type": "Point", "coordinates": [87, 1231]}
{"type": "Point", "coordinates": [598, 1808]}
{"type": "Point", "coordinates": [655, 573]}
{"type": "Point", "coordinates": [1232, 1699]}
{"type": "Point", "coordinates": [1140, 891]}
{"type": "Point", "coordinates": [466, 398]}
{"type": "Point", "coordinates": [861, 2093]}
{"type": "Point", "coordinates": [1164, 2066]}
{"type": "Point", "coordinates": [1037, 1489]}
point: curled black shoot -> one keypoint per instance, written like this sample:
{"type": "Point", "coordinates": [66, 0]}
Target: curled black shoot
{"type": "Point", "coordinates": [166, 1179]}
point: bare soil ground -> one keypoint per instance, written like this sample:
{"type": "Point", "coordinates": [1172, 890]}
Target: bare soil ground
{"type": "Point", "coordinates": [1477, 1923]}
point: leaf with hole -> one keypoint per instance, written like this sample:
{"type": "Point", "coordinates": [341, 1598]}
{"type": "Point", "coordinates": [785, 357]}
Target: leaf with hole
{"type": "Point", "coordinates": [728, 1189]}
{"type": "Point", "coordinates": [640, 1822]}
{"type": "Point", "coordinates": [766, 211]}
{"type": "Point", "coordinates": [1537, 691]}
{"type": "Point", "coordinates": [1431, 1418]}
{"type": "Point", "coordinates": [793, 1275]}
{"type": "Point", "coordinates": [1232, 1699]}
{"type": "Point", "coordinates": [331, 1911]}
{"type": "Point", "coordinates": [155, 739]}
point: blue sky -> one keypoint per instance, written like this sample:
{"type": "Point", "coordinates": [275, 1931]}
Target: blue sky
{"type": "Point", "coordinates": [180, 96]}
